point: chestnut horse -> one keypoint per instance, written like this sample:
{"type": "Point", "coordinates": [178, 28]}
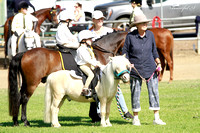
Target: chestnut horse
{"type": "Point", "coordinates": [41, 15]}
{"type": "Point", "coordinates": [36, 64]}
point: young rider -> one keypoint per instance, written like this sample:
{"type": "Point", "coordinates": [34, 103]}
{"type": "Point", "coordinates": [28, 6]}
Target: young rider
{"type": "Point", "coordinates": [85, 59]}
{"type": "Point", "coordinates": [23, 21]}
{"type": "Point", "coordinates": [63, 34]}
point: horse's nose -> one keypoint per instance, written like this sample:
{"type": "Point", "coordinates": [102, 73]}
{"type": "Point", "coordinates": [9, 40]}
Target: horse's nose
{"type": "Point", "coordinates": [126, 77]}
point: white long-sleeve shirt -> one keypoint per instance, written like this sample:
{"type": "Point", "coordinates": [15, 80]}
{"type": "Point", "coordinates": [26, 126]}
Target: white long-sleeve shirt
{"type": "Point", "coordinates": [84, 56]}
{"type": "Point", "coordinates": [64, 36]}
{"type": "Point", "coordinates": [22, 22]}
{"type": "Point", "coordinates": [104, 32]}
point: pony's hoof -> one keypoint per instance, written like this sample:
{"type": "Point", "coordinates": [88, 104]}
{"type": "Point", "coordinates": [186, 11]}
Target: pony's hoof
{"type": "Point", "coordinates": [56, 125]}
{"type": "Point", "coordinates": [109, 125]}
{"type": "Point", "coordinates": [103, 125]}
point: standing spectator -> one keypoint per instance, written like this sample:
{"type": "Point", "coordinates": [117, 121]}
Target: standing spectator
{"type": "Point", "coordinates": [79, 16]}
{"type": "Point", "coordinates": [136, 4]}
{"type": "Point", "coordinates": [99, 30]}
{"type": "Point", "coordinates": [140, 49]}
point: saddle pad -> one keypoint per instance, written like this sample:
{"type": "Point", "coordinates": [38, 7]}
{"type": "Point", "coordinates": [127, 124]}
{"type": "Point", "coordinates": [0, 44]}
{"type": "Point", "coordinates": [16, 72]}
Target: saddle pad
{"type": "Point", "coordinates": [68, 62]}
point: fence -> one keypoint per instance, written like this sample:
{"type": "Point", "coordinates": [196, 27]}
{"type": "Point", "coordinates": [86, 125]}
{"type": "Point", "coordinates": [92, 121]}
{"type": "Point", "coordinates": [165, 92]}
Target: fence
{"type": "Point", "coordinates": [51, 41]}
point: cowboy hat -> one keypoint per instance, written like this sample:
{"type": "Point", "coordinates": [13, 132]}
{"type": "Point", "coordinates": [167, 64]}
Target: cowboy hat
{"type": "Point", "coordinates": [139, 18]}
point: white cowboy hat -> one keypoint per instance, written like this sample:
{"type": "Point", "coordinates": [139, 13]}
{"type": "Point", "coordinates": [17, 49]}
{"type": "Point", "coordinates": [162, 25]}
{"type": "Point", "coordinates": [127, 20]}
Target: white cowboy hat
{"type": "Point", "coordinates": [139, 18]}
{"type": "Point", "coordinates": [97, 14]}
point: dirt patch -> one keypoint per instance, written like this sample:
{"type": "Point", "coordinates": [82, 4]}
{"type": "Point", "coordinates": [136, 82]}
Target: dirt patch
{"type": "Point", "coordinates": [186, 63]}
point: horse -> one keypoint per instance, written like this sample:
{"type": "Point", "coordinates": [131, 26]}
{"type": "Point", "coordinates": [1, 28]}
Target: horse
{"type": "Point", "coordinates": [36, 64]}
{"type": "Point", "coordinates": [165, 45]}
{"type": "Point", "coordinates": [47, 13]}
{"type": "Point", "coordinates": [25, 42]}
{"type": "Point", "coordinates": [61, 84]}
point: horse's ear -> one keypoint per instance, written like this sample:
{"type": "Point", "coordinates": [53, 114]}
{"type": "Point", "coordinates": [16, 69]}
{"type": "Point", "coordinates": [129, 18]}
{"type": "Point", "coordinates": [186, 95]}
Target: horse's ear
{"type": "Point", "coordinates": [124, 55]}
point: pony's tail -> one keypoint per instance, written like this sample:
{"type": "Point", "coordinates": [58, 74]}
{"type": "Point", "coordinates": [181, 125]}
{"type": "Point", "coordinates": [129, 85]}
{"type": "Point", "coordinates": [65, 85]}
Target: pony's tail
{"type": "Point", "coordinates": [13, 94]}
{"type": "Point", "coordinates": [48, 101]}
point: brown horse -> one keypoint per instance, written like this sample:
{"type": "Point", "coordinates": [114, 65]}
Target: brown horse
{"type": "Point", "coordinates": [165, 44]}
{"type": "Point", "coordinates": [47, 13]}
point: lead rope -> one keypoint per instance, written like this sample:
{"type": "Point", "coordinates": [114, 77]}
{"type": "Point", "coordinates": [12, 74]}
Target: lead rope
{"type": "Point", "coordinates": [157, 70]}
{"type": "Point", "coordinates": [118, 107]}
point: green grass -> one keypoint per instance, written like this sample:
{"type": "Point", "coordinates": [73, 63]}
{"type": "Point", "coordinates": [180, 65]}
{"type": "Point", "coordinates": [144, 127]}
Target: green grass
{"type": "Point", "coordinates": [179, 101]}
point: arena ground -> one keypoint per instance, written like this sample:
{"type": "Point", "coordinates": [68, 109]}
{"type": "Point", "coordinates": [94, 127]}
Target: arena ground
{"type": "Point", "coordinates": [186, 63]}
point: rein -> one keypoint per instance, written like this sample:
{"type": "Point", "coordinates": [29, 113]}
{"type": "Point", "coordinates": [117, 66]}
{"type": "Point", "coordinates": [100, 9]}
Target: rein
{"type": "Point", "coordinates": [95, 46]}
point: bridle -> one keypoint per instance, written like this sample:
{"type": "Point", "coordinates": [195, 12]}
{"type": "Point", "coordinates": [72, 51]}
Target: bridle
{"type": "Point", "coordinates": [118, 75]}
{"type": "Point", "coordinates": [54, 12]}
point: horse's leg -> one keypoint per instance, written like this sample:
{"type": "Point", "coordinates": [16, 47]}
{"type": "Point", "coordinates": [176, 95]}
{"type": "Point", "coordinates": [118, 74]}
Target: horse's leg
{"type": "Point", "coordinates": [162, 60]}
{"type": "Point", "coordinates": [56, 104]}
{"type": "Point", "coordinates": [103, 112]}
{"type": "Point", "coordinates": [108, 113]}
{"type": "Point", "coordinates": [25, 96]}
{"type": "Point", "coordinates": [170, 64]}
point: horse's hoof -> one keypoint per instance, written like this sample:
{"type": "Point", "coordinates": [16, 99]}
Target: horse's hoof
{"type": "Point", "coordinates": [109, 125]}
{"type": "Point", "coordinates": [103, 125]}
{"type": "Point", "coordinates": [56, 125]}
{"type": "Point", "coordinates": [27, 123]}
{"type": "Point", "coordinates": [16, 124]}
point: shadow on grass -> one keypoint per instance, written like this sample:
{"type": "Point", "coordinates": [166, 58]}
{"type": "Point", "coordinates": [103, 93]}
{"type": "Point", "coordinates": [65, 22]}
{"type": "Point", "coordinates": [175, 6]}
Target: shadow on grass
{"type": "Point", "coordinates": [65, 121]}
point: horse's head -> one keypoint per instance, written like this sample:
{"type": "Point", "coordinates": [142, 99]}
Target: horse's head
{"type": "Point", "coordinates": [29, 40]}
{"type": "Point", "coordinates": [121, 67]}
{"type": "Point", "coordinates": [54, 15]}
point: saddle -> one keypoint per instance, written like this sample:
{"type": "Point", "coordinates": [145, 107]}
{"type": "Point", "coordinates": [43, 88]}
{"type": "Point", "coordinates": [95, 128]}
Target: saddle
{"type": "Point", "coordinates": [68, 63]}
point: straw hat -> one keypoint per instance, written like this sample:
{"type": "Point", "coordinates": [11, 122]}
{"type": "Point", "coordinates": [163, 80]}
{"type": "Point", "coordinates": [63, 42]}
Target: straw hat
{"type": "Point", "coordinates": [139, 18]}
{"type": "Point", "coordinates": [97, 14]}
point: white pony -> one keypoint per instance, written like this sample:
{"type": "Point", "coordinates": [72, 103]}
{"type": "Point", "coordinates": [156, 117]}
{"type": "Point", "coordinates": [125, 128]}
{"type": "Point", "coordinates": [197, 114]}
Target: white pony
{"type": "Point", "coordinates": [26, 41]}
{"type": "Point", "coordinates": [61, 85]}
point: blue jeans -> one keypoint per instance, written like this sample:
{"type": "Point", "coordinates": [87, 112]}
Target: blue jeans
{"type": "Point", "coordinates": [122, 102]}
{"type": "Point", "coordinates": [152, 86]}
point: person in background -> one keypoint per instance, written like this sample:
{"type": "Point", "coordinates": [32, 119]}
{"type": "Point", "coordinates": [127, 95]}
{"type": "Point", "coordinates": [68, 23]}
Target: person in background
{"type": "Point", "coordinates": [79, 16]}
{"type": "Point", "coordinates": [63, 35]}
{"type": "Point", "coordinates": [140, 49]}
{"type": "Point", "coordinates": [136, 4]}
{"type": "Point", "coordinates": [23, 21]}
{"type": "Point", "coordinates": [86, 60]}
{"type": "Point", "coordinates": [99, 30]}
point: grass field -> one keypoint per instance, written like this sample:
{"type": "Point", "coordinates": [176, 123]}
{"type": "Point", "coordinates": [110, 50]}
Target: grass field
{"type": "Point", "coordinates": [180, 109]}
